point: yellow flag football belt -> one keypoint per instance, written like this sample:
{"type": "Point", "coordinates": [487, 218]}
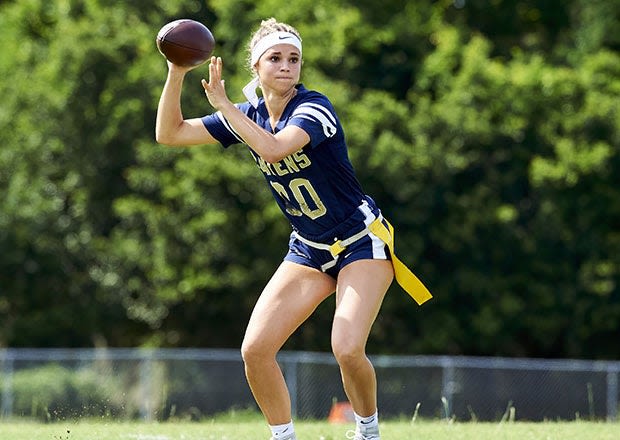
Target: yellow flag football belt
{"type": "Point", "coordinates": [407, 280]}
{"type": "Point", "coordinates": [404, 277]}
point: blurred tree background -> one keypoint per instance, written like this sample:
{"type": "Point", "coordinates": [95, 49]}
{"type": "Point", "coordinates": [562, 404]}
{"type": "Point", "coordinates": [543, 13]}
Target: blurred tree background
{"type": "Point", "coordinates": [488, 132]}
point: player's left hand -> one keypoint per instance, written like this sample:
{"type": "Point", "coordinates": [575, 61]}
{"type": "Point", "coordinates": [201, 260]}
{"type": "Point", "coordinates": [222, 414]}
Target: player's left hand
{"type": "Point", "coordinates": [214, 88]}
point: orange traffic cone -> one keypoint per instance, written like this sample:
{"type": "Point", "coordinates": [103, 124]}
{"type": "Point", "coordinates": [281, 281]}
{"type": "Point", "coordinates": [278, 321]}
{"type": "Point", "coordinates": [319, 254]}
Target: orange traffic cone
{"type": "Point", "coordinates": [341, 412]}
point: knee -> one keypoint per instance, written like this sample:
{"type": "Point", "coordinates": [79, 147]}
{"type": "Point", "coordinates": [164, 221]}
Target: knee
{"type": "Point", "coordinates": [348, 354]}
{"type": "Point", "coordinates": [249, 351]}
{"type": "Point", "coordinates": [253, 353]}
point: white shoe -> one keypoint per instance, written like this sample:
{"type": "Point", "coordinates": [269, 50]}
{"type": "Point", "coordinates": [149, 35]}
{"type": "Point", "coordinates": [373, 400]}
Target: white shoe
{"type": "Point", "coordinates": [288, 437]}
{"type": "Point", "coordinates": [370, 433]}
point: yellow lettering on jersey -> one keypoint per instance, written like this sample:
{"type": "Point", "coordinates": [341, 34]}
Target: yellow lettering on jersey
{"type": "Point", "coordinates": [263, 165]}
{"type": "Point", "coordinates": [301, 159]}
{"type": "Point", "coordinates": [279, 169]}
{"type": "Point", "coordinates": [290, 164]}
{"type": "Point", "coordinates": [274, 168]}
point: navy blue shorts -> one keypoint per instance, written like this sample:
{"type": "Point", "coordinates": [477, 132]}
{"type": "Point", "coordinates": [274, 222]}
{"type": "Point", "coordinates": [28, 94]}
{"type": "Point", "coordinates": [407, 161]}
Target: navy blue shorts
{"type": "Point", "coordinates": [369, 247]}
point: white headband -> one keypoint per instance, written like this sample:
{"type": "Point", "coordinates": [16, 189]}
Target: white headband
{"type": "Point", "coordinates": [272, 39]}
{"type": "Point", "coordinates": [261, 46]}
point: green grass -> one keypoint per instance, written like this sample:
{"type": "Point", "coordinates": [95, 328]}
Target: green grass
{"type": "Point", "coordinates": [244, 429]}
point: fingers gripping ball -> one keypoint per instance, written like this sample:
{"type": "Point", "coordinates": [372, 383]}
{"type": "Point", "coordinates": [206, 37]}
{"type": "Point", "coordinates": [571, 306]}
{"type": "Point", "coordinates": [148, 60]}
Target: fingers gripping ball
{"type": "Point", "coordinates": [185, 42]}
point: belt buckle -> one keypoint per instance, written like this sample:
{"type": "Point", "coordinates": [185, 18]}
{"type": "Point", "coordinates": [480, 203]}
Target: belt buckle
{"type": "Point", "coordinates": [336, 248]}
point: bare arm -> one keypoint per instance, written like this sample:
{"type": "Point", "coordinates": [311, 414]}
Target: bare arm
{"type": "Point", "coordinates": [170, 127]}
{"type": "Point", "coordinates": [270, 147]}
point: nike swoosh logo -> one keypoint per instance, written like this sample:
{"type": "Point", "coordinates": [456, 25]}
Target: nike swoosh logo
{"type": "Point", "coordinates": [283, 38]}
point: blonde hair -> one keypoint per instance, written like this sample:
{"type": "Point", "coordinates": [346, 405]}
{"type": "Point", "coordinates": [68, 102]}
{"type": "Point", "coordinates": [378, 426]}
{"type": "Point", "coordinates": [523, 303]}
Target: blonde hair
{"type": "Point", "coordinates": [267, 27]}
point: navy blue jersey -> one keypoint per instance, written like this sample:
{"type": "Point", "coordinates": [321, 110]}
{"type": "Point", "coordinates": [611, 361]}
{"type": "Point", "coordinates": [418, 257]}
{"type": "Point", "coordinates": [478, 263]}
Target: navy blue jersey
{"type": "Point", "coordinates": [315, 187]}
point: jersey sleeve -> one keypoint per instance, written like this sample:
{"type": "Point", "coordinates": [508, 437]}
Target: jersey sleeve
{"type": "Point", "coordinates": [221, 129]}
{"type": "Point", "coordinates": [316, 116]}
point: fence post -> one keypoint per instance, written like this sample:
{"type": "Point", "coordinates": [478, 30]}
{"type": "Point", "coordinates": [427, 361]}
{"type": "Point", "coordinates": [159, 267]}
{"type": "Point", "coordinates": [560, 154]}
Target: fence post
{"type": "Point", "coordinates": [6, 408]}
{"type": "Point", "coordinates": [447, 385]}
{"type": "Point", "coordinates": [146, 385]}
{"type": "Point", "coordinates": [612, 392]}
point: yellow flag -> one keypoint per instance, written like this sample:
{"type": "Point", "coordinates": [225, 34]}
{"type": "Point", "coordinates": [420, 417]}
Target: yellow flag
{"type": "Point", "coordinates": [404, 277]}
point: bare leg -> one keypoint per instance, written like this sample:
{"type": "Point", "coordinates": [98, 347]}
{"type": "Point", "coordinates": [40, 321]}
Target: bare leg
{"type": "Point", "coordinates": [361, 288]}
{"type": "Point", "coordinates": [289, 298]}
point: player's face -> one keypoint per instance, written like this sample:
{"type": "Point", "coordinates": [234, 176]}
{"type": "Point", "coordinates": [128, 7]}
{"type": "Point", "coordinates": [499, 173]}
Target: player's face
{"type": "Point", "coordinates": [279, 67]}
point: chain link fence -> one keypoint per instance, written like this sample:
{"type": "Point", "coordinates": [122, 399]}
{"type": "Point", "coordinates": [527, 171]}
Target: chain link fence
{"type": "Point", "coordinates": [191, 383]}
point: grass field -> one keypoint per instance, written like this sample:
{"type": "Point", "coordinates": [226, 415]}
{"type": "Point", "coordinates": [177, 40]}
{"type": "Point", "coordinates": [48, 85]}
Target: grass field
{"type": "Point", "coordinates": [257, 430]}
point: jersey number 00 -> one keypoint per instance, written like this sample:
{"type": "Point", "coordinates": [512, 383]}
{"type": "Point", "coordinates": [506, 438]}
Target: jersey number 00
{"type": "Point", "coordinates": [301, 190]}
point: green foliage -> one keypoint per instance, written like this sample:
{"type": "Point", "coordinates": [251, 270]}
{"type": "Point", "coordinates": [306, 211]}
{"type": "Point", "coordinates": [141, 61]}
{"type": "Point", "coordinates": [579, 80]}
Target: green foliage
{"type": "Point", "coordinates": [487, 131]}
{"type": "Point", "coordinates": [482, 162]}
{"type": "Point", "coordinates": [53, 393]}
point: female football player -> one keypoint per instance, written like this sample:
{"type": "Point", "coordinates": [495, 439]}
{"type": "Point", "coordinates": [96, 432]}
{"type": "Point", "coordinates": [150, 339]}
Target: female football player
{"type": "Point", "coordinates": [296, 139]}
